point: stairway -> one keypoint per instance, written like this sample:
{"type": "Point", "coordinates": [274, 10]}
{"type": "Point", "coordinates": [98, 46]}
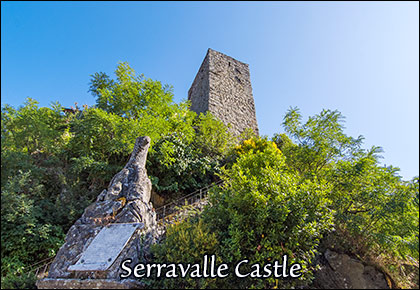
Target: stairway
{"type": "Point", "coordinates": [170, 212]}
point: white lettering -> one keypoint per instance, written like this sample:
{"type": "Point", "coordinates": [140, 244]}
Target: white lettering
{"type": "Point", "coordinates": [237, 273]}
{"type": "Point", "coordinates": [125, 268]}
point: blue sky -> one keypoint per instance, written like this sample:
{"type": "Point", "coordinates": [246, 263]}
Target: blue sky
{"type": "Point", "coordinates": [359, 58]}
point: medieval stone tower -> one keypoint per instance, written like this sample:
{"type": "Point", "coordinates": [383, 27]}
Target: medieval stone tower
{"type": "Point", "coordinates": [222, 86]}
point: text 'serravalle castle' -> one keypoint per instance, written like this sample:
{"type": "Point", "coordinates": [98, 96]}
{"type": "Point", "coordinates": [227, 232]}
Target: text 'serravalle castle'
{"type": "Point", "coordinates": [223, 87]}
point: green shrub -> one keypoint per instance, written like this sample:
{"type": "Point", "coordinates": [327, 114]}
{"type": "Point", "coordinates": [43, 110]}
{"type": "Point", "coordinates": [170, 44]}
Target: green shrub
{"type": "Point", "coordinates": [263, 212]}
{"type": "Point", "coordinates": [187, 242]}
{"type": "Point", "coordinates": [25, 281]}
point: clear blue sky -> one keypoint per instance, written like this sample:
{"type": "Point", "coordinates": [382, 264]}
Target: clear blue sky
{"type": "Point", "coordinates": [359, 58]}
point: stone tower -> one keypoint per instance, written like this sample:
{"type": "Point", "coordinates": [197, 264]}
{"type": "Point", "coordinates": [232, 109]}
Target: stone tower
{"type": "Point", "coordinates": [222, 86]}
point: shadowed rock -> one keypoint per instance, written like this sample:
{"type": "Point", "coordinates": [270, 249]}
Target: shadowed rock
{"type": "Point", "coordinates": [126, 200]}
{"type": "Point", "coordinates": [340, 271]}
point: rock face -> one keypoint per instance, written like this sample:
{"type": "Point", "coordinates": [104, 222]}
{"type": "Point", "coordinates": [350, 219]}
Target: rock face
{"type": "Point", "coordinates": [126, 200]}
{"type": "Point", "coordinates": [340, 271]}
{"type": "Point", "coordinates": [223, 87]}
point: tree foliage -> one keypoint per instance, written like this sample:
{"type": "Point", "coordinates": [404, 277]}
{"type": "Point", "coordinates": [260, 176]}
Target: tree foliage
{"type": "Point", "coordinates": [369, 200]}
{"type": "Point", "coordinates": [321, 141]}
{"type": "Point", "coordinates": [56, 161]}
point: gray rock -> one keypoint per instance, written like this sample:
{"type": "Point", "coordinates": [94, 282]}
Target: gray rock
{"type": "Point", "coordinates": [126, 200]}
{"type": "Point", "coordinates": [348, 273]}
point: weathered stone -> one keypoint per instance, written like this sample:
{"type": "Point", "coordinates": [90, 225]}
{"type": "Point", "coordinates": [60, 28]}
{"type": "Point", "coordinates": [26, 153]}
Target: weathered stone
{"type": "Point", "coordinates": [223, 87]}
{"type": "Point", "coordinates": [333, 259]}
{"type": "Point", "coordinates": [344, 272]}
{"type": "Point", "coordinates": [126, 200]}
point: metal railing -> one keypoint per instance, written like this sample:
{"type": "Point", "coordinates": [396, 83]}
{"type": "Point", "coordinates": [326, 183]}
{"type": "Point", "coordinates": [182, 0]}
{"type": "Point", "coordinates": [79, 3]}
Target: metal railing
{"type": "Point", "coordinates": [173, 207]}
{"type": "Point", "coordinates": [39, 269]}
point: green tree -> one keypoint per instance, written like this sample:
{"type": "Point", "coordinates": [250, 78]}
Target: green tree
{"type": "Point", "coordinates": [143, 100]}
{"type": "Point", "coordinates": [212, 138]}
{"type": "Point", "coordinates": [321, 141]}
{"type": "Point", "coordinates": [376, 213]}
{"type": "Point", "coordinates": [31, 129]}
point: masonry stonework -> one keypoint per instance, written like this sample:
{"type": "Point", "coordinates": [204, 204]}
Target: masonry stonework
{"type": "Point", "coordinates": [222, 86]}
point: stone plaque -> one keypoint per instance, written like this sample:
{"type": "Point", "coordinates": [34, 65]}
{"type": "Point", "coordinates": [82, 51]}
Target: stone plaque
{"type": "Point", "coordinates": [105, 247]}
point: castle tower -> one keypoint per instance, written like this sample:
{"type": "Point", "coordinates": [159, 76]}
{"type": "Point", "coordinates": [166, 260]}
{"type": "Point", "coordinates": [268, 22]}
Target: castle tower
{"type": "Point", "coordinates": [222, 86]}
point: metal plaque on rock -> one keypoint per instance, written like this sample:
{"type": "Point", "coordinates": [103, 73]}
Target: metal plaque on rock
{"type": "Point", "coordinates": [105, 247]}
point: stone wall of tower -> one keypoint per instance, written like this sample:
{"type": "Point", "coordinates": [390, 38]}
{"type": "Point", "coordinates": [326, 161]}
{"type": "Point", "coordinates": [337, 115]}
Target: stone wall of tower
{"type": "Point", "coordinates": [198, 94]}
{"type": "Point", "coordinates": [223, 87]}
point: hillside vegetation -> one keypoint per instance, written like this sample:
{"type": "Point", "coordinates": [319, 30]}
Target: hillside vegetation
{"type": "Point", "coordinates": [290, 194]}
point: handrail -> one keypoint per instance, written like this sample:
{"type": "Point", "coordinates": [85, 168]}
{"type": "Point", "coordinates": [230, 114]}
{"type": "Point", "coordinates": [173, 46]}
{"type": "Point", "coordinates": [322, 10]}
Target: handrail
{"type": "Point", "coordinates": [36, 270]}
{"type": "Point", "coordinates": [33, 265]}
{"type": "Point", "coordinates": [169, 208]}
{"type": "Point", "coordinates": [191, 194]}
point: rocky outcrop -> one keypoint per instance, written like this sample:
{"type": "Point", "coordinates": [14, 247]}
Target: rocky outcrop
{"type": "Point", "coordinates": [340, 271]}
{"type": "Point", "coordinates": [126, 200]}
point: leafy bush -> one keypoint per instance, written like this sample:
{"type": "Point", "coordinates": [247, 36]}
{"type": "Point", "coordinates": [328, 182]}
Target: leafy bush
{"type": "Point", "coordinates": [177, 168]}
{"type": "Point", "coordinates": [27, 231]}
{"type": "Point", "coordinates": [263, 212]}
{"type": "Point", "coordinates": [212, 138]}
{"type": "Point", "coordinates": [26, 281]}
{"type": "Point", "coordinates": [179, 165]}
{"type": "Point", "coordinates": [187, 242]}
